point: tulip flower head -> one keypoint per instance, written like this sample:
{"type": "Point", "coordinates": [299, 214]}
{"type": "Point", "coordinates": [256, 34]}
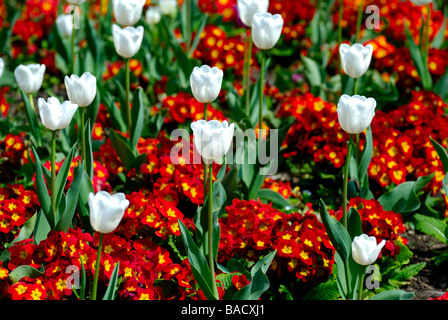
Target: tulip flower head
{"type": "Point", "coordinates": [106, 210]}
{"type": "Point", "coordinates": [128, 12]}
{"type": "Point", "coordinates": [64, 23]}
{"type": "Point", "coordinates": [212, 138]}
{"type": "Point", "coordinates": [29, 77]}
{"type": "Point", "coordinates": [355, 113]}
{"type": "Point", "coordinates": [206, 83]}
{"type": "Point", "coordinates": [365, 249]}
{"type": "Point", "coordinates": [266, 30]}
{"type": "Point", "coordinates": [248, 8]}
{"type": "Point", "coordinates": [54, 114]}
{"type": "Point", "coordinates": [168, 7]}
{"type": "Point", "coordinates": [355, 59]}
{"type": "Point", "coordinates": [2, 66]}
{"type": "Point", "coordinates": [153, 15]}
{"type": "Point", "coordinates": [81, 90]}
{"type": "Point", "coordinates": [127, 41]}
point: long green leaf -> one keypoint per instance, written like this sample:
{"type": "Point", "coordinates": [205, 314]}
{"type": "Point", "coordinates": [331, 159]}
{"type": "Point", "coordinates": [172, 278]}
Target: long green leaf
{"type": "Point", "coordinates": [138, 116]}
{"type": "Point", "coordinates": [42, 191]}
{"type": "Point", "coordinates": [32, 118]}
{"type": "Point", "coordinates": [61, 179]}
{"type": "Point", "coordinates": [112, 287]}
{"type": "Point", "coordinates": [24, 271]}
{"type": "Point", "coordinates": [198, 263]}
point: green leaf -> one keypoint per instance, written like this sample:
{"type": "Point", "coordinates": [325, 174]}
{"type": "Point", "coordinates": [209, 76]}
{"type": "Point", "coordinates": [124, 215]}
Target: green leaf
{"type": "Point", "coordinates": [114, 113]}
{"type": "Point", "coordinates": [72, 200]}
{"type": "Point", "coordinates": [442, 153]}
{"type": "Point", "coordinates": [325, 291]}
{"type": "Point", "coordinates": [273, 196]}
{"type": "Point", "coordinates": [61, 179]}
{"type": "Point", "coordinates": [112, 287]}
{"type": "Point", "coordinates": [137, 114]}
{"type": "Point", "coordinates": [432, 226]}
{"type": "Point", "coordinates": [393, 295]}
{"type": "Point", "coordinates": [89, 151]}
{"type": "Point", "coordinates": [354, 224]}
{"type": "Point", "coordinates": [24, 271]}
{"type": "Point", "coordinates": [365, 159]}
{"type": "Point", "coordinates": [198, 263]}
{"type": "Point", "coordinates": [338, 235]}
{"type": "Point", "coordinates": [124, 152]}
{"type": "Point", "coordinates": [403, 198]}
{"type": "Point", "coordinates": [42, 191]}
{"type": "Point", "coordinates": [32, 118]}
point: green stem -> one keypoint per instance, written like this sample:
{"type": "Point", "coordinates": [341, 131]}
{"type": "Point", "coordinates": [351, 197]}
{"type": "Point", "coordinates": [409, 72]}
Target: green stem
{"type": "Point", "coordinates": [205, 163]}
{"type": "Point", "coordinates": [345, 183]}
{"type": "Point", "coordinates": [355, 86]}
{"type": "Point", "coordinates": [341, 8]}
{"type": "Point", "coordinates": [30, 97]}
{"type": "Point", "coordinates": [261, 93]}
{"type": "Point", "coordinates": [83, 138]}
{"type": "Point", "coordinates": [358, 151]}
{"type": "Point", "coordinates": [358, 21]}
{"type": "Point", "coordinates": [72, 70]}
{"type": "Point", "coordinates": [428, 21]}
{"type": "Point", "coordinates": [247, 74]}
{"type": "Point", "coordinates": [97, 268]}
{"type": "Point", "coordinates": [53, 173]}
{"type": "Point", "coordinates": [361, 282]}
{"type": "Point", "coordinates": [128, 89]}
{"type": "Point", "coordinates": [188, 25]}
{"type": "Point", "coordinates": [211, 261]}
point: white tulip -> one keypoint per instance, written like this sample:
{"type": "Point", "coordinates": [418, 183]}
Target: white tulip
{"type": "Point", "coordinates": [355, 59]}
{"type": "Point", "coordinates": [206, 83]}
{"type": "Point", "coordinates": [81, 90]}
{"type": "Point", "coordinates": [127, 41]}
{"type": "Point", "coordinates": [153, 15]}
{"type": "Point", "coordinates": [355, 113]}
{"type": "Point", "coordinates": [365, 250]}
{"type": "Point", "coordinates": [106, 210]}
{"type": "Point", "coordinates": [29, 78]}
{"type": "Point", "coordinates": [421, 2]}
{"type": "Point", "coordinates": [168, 7]}
{"type": "Point", "coordinates": [76, 2]}
{"type": "Point", "coordinates": [54, 115]}
{"type": "Point", "coordinates": [2, 66]}
{"type": "Point", "coordinates": [212, 138]}
{"type": "Point", "coordinates": [64, 23]}
{"type": "Point", "coordinates": [128, 12]}
{"type": "Point", "coordinates": [248, 8]}
{"type": "Point", "coordinates": [266, 30]}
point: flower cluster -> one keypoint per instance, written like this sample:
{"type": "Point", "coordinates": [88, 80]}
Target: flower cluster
{"type": "Point", "coordinates": [381, 224]}
{"type": "Point", "coordinates": [252, 229]}
{"type": "Point", "coordinates": [14, 154]}
{"type": "Point", "coordinates": [142, 264]}
{"type": "Point", "coordinates": [17, 205]}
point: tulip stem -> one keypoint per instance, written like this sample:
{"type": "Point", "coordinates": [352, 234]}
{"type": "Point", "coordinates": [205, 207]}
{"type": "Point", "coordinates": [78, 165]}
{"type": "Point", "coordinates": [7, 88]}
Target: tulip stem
{"type": "Point", "coordinates": [246, 83]}
{"type": "Point", "coordinates": [361, 282]}
{"type": "Point", "coordinates": [128, 88]}
{"type": "Point", "coordinates": [97, 267]}
{"type": "Point", "coordinates": [53, 174]}
{"type": "Point", "coordinates": [73, 47]}
{"type": "Point", "coordinates": [341, 7]}
{"type": "Point", "coordinates": [358, 22]}
{"type": "Point", "coordinates": [205, 163]}
{"type": "Point", "coordinates": [30, 97]}
{"type": "Point", "coordinates": [358, 151]}
{"type": "Point", "coordinates": [261, 92]}
{"type": "Point", "coordinates": [345, 182]}
{"type": "Point", "coordinates": [83, 138]}
{"type": "Point", "coordinates": [211, 260]}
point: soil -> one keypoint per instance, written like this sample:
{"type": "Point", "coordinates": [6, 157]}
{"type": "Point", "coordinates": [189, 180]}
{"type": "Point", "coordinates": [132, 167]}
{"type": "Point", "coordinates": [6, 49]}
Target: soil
{"type": "Point", "coordinates": [432, 280]}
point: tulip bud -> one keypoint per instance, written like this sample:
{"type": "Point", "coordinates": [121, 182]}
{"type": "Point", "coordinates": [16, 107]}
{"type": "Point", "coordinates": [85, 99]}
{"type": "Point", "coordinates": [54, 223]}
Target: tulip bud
{"type": "Point", "coordinates": [106, 210]}
{"type": "Point", "coordinates": [128, 12]}
{"type": "Point", "coordinates": [206, 83]}
{"type": "Point", "coordinates": [29, 78]}
{"type": "Point", "coordinates": [266, 30]}
{"type": "Point", "coordinates": [355, 59]}
{"type": "Point", "coordinates": [355, 113]}
{"type": "Point", "coordinates": [81, 90]}
{"type": "Point", "coordinates": [153, 15]}
{"type": "Point", "coordinates": [2, 66]}
{"type": "Point", "coordinates": [248, 8]}
{"type": "Point", "coordinates": [365, 250]}
{"type": "Point", "coordinates": [168, 7]}
{"type": "Point", "coordinates": [127, 41]}
{"type": "Point", "coordinates": [212, 138]}
{"type": "Point", "coordinates": [54, 115]}
{"type": "Point", "coordinates": [64, 23]}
